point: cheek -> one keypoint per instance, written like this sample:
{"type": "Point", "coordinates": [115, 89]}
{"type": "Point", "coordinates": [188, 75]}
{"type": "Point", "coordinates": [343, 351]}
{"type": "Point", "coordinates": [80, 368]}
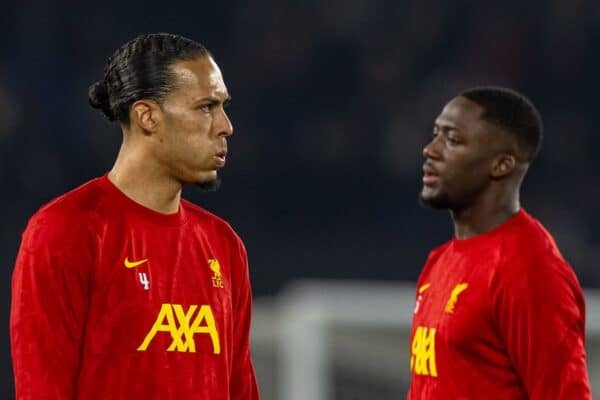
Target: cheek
{"type": "Point", "coordinates": [203, 124]}
{"type": "Point", "coordinates": [187, 139]}
{"type": "Point", "coordinates": [195, 134]}
{"type": "Point", "coordinates": [196, 123]}
{"type": "Point", "coordinates": [468, 172]}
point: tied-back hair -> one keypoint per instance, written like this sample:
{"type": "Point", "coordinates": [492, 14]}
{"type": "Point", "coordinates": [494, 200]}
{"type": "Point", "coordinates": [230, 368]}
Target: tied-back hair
{"type": "Point", "coordinates": [514, 113]}
{"type": "Point", "coordinates": [140, 69]}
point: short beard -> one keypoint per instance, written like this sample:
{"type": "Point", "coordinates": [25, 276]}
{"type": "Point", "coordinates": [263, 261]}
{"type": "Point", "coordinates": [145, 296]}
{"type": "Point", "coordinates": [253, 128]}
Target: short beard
{"type": "Point", "coordinates": [210, 186]}
{"type": "Point", "coordinates": [441, 202]}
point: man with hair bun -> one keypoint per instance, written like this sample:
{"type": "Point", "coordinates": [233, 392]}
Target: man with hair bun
{"type": "Point", "coordinates": [121, 289]}
{"type": "Point", "coordinates": [499, 313]}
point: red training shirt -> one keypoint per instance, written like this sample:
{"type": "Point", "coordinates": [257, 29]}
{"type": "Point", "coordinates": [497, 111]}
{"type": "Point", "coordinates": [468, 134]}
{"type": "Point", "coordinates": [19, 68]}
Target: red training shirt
{"type": "Point", "coordinates": [499, 316]}
{"type": "Point", "coordinates": [112, 300]}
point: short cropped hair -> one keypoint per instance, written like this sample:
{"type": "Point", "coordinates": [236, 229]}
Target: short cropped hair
{"type": "Point", "coordinates": [512, 112]}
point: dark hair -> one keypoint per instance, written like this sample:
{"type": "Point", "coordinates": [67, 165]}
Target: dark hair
{"type": "Point", "coordinates": [513, 112]}
{"type": "Point", "coordinates": [140, 69]}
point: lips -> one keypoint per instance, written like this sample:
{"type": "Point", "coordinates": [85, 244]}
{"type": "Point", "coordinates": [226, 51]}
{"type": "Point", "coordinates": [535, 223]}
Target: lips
{"type": "Point", "coordinates": [220, 158]}
{"type": "Point", "coordinates": [430, 174]}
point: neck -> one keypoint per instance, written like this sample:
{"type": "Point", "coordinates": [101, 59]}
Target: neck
{"type": "Point", "coordinates": [485, 214]}
{"type": "Point", "coordinates": [144, 181]}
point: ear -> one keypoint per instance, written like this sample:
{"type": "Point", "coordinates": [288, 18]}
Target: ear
{"type": "Point", "coordinates": [147, 115]}
{"type": "Point", "coordinates": [504, 164]}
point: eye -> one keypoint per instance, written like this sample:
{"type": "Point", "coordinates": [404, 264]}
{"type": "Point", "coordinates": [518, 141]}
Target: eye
{"type": "Point", "coordinates": [453, 141]}
{"type": "Point", "coordinates": [207, 108]}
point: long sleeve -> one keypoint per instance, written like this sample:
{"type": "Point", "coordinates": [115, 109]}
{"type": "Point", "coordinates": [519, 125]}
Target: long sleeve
{"type": "Point", "coordinates": [48, 309]}
{"type": "Point", "coordinates": [243, 384]}
{"type": "Point", "coordinates": [540, 313]}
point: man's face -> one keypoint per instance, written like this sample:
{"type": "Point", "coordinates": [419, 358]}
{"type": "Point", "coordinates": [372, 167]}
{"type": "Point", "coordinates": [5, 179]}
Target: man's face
{"type": "Point", "coordinates": [460, 156]}
{"type": "Point", "coordinates": [192, 142]}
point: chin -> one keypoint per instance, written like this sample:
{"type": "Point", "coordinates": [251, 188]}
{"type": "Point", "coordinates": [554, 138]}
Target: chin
{"type": "Point", "coordinates": [438, 201]}
{"type": "Point", "coordinates": [209, 185]}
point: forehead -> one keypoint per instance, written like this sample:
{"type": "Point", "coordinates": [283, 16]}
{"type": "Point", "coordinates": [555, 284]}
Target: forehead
{"type": "Point", "coordinates": [461, 113]}
{"type": "Point", "coordinates": [199, 78]}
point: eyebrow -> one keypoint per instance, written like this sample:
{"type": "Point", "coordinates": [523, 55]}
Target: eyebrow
{"type": "Point", "coordinates": [445, 125]}
{"type": "Point", "coordinates": [213, 100]}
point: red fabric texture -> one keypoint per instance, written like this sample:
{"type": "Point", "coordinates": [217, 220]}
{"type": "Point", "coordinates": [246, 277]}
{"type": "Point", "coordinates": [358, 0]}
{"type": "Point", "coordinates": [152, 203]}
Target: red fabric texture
{"type": "Point", "coordinates": [79, 315]}
{"type": "Point", "coordinates": [515, 327]}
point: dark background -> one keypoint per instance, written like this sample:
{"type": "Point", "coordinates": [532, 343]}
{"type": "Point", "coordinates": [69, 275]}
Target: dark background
{"type": "Point", "coordinates": [332, 103]}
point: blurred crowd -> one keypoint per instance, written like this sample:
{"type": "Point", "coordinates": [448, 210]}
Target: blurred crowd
{"type": "Point", "coordinates": [332, 103]}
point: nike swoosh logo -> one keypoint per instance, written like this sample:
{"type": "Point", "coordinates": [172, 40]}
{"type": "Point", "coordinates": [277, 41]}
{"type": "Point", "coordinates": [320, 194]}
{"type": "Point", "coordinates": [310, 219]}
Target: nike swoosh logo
{"type": "Point", "coordinates": [133, 264]}
{"type": "Point", "coordinates": [424, 288]}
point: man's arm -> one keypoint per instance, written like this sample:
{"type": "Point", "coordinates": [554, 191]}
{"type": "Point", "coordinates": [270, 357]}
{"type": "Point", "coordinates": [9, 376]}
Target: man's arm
{"type": "Point", "coordinates": [540, 313]}
{"type": "Point", "coordinates": [48, 310]}
{"type": "Point", "coordinates": [243, 384]}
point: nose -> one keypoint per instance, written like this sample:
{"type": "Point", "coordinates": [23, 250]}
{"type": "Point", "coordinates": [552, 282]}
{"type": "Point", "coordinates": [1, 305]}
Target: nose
{"type": "Point", "coordinates": [223, 124]}
{"type": "Point", "coordinates": [430, 150]}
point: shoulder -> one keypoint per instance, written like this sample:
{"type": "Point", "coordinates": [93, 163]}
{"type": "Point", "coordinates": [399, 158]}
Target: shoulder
{"type": "Point", "coordinates": [204, 218]}
{"type": "Point", "coordinates": [531, 259]}
{"type": "Point", "coordinates": [69, 215]}
{"type": "Point", "coordinates": [436, 252]}
{"type": "Point", "coordinates": [532, 247]}
{"type": "Point", "coordinates": [220, 233]}
{"type": "Point", "coordinates": [432, 258]}
{"type": "Point", "coordinates": [81, 200]}
{"type": "Point", "coordinates": [537, 237]}
{"type": "Point", "coordinates": [534, 281]}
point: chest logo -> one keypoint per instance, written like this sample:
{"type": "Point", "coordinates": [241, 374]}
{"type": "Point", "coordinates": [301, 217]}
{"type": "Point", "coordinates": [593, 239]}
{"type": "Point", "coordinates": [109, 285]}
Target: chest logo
{"type": "Point", "coordinates": [451, 304]}
{"type": "Point", "coordinates": [217, 278]}
{"type": "Point", "coordinates": [420, 292]}
{"type": "Point", "coordinates": [133, 264]}
{"type": "Point", "coordinates": [422, 358]}
{"type": "Point", "coordinates": [183, 325]}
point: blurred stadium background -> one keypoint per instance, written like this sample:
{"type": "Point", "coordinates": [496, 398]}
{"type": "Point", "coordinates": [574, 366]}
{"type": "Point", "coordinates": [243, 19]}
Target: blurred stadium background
{"type": "Point", "coordinates": [332, 103]}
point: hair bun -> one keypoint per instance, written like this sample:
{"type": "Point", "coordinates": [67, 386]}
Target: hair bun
{"type": "Point", "coordinates": [98, 98]}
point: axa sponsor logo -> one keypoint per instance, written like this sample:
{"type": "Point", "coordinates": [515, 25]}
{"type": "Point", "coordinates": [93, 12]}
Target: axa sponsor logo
{"type": "Point", "coordinates": [183, 325]}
